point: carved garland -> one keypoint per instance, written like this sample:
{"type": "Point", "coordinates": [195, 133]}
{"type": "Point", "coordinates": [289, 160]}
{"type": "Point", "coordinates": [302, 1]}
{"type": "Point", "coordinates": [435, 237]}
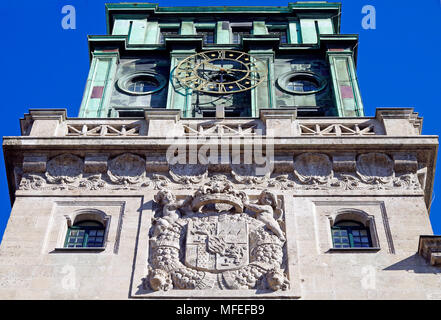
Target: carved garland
{"type": "Point", "coordinates": [373, 171]}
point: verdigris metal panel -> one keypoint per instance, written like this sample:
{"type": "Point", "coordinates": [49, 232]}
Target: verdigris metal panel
{"type": "Point", "coordinates": [155, 64]}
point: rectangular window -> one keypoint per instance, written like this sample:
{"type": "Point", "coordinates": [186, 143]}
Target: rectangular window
{"type": "Point", "coordinates": [208, 35]}
{"type": "Point", "coordinates": [164, 32]}
{"type": "Point", "coordinates": [238, 33]}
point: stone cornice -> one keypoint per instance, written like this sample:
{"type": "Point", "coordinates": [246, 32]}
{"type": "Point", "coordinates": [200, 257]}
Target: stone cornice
{"type": "Point", "coordinates": [394, 133]}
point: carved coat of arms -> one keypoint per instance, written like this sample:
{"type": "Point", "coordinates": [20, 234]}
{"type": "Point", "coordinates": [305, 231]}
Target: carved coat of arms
{"type": "Point", "coordinates": [221, 245]}
{"type": "Point", "coordinates": [217, 239]}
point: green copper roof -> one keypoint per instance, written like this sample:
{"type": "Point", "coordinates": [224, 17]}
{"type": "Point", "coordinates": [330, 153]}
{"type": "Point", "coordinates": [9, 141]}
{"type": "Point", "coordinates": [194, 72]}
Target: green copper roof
{"type": "Point", "coordinates": [278, 9]}
{"type": "Point", "coordinates": [293, 7]}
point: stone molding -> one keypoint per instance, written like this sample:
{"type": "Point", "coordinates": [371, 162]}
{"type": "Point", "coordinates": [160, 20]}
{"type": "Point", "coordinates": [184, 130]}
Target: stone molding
{"type": "Point", "coordinates": [279, 122]}
{"type": "Point", "coordinates": [42, 122]}
{"type": "Point", "coordinates": [400, 121]}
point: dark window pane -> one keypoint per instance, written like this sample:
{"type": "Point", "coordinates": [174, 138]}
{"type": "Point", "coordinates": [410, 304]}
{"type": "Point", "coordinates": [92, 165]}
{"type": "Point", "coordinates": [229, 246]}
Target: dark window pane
{"type": "Point", "coordinates": [167, 32]}
{"type": "Point", "coordinates": [300, 85]}
{"type": "Point", "coordinates": [350, 234]}
{"type": "Point", "coordinates": [238, 33]}
{"type": "Point", "coordinates": [280, 34]}
{"type": "Point", "coordinates": [208, 35]}
{"type": "Point", "coordinates": [75, 236]}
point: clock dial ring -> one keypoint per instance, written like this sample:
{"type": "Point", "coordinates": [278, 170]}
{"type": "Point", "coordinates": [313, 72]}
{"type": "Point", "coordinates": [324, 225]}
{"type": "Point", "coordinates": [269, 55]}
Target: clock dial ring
{"type": "Point", "coordinates": [221, 72]}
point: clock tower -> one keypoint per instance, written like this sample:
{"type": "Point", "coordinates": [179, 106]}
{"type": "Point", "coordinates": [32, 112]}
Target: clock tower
{"type": "Point", "coordinates": [221, 153]}
{"type": "Point", "coordinates": [241, 58]}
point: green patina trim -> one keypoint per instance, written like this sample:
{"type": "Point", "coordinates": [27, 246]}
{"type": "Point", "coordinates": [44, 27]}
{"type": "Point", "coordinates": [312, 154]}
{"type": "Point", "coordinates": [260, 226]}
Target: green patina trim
{"type": "Point", "coordinates": [105, 89]}
{"type": "Point", "coordinates": [223, 9]}
{"type": "Point", "coordinates": [106, 37]}
{"type": "Point", "coordinates": [205, 25]}
{"type": "Point", "coordinates": [169, 25]}
{"type": "Point", "coordinates": [342, 37]}
{"type": "Point", "coordinates": [157, 8]}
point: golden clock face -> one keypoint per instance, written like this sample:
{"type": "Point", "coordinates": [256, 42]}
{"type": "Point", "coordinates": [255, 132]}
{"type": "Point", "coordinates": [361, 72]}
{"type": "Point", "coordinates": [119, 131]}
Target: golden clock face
{"type": "Point", "coordinates": [221, 72]}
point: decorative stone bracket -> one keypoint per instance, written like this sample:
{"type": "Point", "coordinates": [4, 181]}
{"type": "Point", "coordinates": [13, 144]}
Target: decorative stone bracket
{"type": "Point", "coordinates": [430, 249]}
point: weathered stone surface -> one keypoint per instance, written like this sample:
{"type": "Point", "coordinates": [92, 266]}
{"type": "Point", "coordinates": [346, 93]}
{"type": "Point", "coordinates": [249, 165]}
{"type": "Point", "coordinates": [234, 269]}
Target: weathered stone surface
{"type": "Point", "coordinates": [219, 230]}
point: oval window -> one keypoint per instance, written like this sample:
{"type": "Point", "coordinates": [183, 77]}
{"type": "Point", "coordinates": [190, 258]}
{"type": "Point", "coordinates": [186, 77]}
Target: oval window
{"type": "Point", "coordinates": [301, 83]}
{"type": "Point", "coordinates": [141, 83]}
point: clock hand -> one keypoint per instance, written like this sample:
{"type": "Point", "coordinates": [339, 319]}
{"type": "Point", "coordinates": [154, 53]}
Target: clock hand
{"type": "Point", "coordinates": [212, 66]}
{"type": "Point", "coordinates": [239, 70]}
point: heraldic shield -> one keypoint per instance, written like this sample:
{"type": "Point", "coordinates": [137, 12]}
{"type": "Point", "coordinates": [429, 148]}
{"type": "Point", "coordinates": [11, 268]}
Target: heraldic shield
{"type": "Point", "coordinates": [218, 246]}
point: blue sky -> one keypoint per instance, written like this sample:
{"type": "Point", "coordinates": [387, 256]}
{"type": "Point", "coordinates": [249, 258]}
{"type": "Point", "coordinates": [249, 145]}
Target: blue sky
{"type": "Point", "coordinates": [45, 66]}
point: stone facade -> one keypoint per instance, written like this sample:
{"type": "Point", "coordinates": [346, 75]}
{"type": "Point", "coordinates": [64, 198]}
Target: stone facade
{"type": "Point", "coordinates": [219, 230]}
{"type": "Point", "coordinates": [216, 205]}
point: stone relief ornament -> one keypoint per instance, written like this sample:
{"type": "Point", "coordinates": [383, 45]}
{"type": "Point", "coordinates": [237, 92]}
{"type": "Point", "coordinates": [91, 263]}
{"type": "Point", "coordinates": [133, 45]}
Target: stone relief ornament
{"type": "Point", "coordinates": [92, 182]}
{"type": "Point", "coordinates": [160, 280]}
{"type": "Point", "coordinates": [246, 174]}
{"type": "Point", "coordinates": [311, 171]}
{"type": "Point", "coordinates": [32, 182]}
{"type": "Point", "coordinates": [64, 169]}
{"type": "Point", "coordinates": [127, 169]}
{"type": "Point", "coordinates": [407, 181]}
{"type": "Point", "coordinates": [211, 241]}
{"type": "Point", "coordinates": [313, 168]}
{"type": "Point", "coordinates": [375, 168]}
{"type": "Point", "coordinates": [188, 173]}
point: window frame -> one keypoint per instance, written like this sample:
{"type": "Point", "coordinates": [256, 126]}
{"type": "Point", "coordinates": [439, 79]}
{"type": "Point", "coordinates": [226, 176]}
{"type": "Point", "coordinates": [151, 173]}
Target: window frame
{"type": "Point", "coordinates": [163, 33]}
{"type": "Point", "coordinates": [359, 217]}
{"type": "Point", "coordinates": [82, 216]}
{"type": "Point", "coordinates": [124, 82]}
{"type": "Point", "coordinates": [240, 33]}
{"type": "Point", "coordinates": [279, 27]}
{"type": "Point", "coordinates": [350, 234]}
{"type": "Point", "coordinates": [86, 234]}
